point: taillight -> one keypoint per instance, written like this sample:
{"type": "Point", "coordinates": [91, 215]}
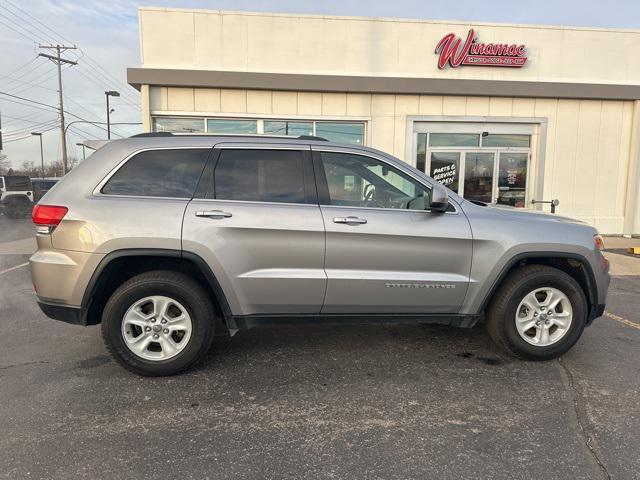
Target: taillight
{"type": "Point", "coordinates": [48, 215]}
{"type": "Point", "coordinates": [598, 242]}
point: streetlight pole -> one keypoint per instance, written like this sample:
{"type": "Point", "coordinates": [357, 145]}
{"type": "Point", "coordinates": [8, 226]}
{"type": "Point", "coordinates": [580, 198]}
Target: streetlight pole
{"type": "Point", "coordinates": [110, 93]}
{"type": "Point", "coordinates": [37, 134]}
{"type": "Point", "coordinates": [84, 155]}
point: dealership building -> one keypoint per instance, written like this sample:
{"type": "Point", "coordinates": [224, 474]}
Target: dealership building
{"type": "Point", "coordinates": [499, 113]}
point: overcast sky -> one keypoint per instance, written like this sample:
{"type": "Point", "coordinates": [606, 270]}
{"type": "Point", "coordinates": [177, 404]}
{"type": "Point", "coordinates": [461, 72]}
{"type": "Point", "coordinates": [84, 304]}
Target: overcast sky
{"type": "Point", "coordinates": [106, 34]}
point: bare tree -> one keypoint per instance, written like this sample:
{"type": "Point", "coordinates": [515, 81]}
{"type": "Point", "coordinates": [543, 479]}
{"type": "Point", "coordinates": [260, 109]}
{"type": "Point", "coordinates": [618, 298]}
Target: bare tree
{"type": "Point", "coordinates": [51, 169]}
{"type": "Point", "coordinates": [4, 164]}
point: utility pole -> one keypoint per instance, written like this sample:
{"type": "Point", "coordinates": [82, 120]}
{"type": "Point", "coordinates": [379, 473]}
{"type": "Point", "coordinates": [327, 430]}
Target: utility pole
{"type": "Point", "coordinates": [37, 134]}
{"type": "Point", "coordinates": [58, 60]}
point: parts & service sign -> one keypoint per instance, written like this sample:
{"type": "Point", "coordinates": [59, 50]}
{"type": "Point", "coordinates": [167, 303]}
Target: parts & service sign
{"type": "Point", "coordinates": [472, 52]}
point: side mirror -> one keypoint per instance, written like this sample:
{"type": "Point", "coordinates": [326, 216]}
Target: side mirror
{"type": "Point", "coordinates": [439, 199]}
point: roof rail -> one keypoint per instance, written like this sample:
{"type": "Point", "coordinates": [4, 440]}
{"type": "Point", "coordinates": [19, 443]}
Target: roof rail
{"type": "Point", "coordinates": [169, 134]}
{"type": "Point", "coordinates": [152, 134]}
{"type": "Point", "coordinates": [312, 137]}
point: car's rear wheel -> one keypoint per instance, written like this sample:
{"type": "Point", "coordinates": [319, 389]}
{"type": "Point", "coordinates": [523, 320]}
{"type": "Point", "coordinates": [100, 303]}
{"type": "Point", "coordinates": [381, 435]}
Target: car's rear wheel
{"type": "Point", "coordinates": [158, 323]}
{"type": "Point", "coordinates": [17, 208]}
{"type": "Point", "coordinates": [538, 313]}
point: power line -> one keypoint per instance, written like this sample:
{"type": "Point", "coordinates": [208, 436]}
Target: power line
{"type": "Point", "coordinates": [28, 100]}
{"type": "Point", "coordinates": [88, 63]}
{"type": "Point", "coordinates": [25, 65]}
{"type": "Point", "coordinates": [30, 136]}
{"type": "Point", "coordinates": [27, 72]}
{"type": "Point", "coordinates": [17, 31]}
{"type": "Point", "coordinates": [27, 83]}
{"type": "Point", "coordinates": [97, 124]}
{"type": "Point", "coordinates": [19, 120]}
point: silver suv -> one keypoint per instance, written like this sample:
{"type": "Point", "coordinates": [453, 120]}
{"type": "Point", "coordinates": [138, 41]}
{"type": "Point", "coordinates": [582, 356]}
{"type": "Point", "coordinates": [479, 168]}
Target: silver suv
{"type": "Point", "coordinates": [165, 239]}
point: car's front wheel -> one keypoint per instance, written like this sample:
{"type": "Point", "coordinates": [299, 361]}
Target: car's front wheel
{"type": "Point", "coordinates": [158, 323]}
{"type": "Point", "coordinates": [538, 313]}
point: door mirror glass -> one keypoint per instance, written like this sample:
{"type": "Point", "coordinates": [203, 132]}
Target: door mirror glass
{"type": "Point", "coordinates": [439, 199]}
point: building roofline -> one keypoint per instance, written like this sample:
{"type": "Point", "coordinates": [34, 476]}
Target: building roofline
{"type": "Point", "coordinates": [377, 84]}
{"type": "Point", "coordinates": [464, 23]}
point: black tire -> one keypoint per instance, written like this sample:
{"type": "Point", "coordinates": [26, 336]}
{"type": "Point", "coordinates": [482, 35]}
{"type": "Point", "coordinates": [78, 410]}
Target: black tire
{"type": "Point", "coordinates": [176, 286]}
{"type": "Point", "coordinates": [16, 209]}
{"type": "Point", "coordinates": [501, 323]}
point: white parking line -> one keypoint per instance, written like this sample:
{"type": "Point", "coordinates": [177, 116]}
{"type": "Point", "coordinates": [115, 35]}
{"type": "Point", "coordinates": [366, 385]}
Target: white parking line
{"type": "Point", "coordinates": [622, 320]}
{"type": "Point", "coordinates": [14, 268]}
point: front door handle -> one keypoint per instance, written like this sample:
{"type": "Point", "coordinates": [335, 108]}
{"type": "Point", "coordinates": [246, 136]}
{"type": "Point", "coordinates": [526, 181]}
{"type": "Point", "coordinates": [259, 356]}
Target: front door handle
{"type": "Point", "coordinates": [213, 214]}
{"type": "Point", "coordinates": [350, 220]}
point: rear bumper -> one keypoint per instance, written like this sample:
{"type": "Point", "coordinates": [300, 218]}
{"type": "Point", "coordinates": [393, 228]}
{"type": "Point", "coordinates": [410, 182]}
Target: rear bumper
{"type": "Point", "coordinates": [64, 313]}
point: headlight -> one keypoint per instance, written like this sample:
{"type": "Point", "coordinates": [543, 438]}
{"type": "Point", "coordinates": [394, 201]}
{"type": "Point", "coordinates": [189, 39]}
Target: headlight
{"type": "Point", "coordinates": [598, 242]}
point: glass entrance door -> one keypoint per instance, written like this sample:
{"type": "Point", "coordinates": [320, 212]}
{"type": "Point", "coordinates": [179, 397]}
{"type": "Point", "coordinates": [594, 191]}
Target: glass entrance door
{"type": "Point", "coordinates": [478, 176]}
{"type": "Point", "coordinates": [487, 167]}
{"type": "Point", "coordinates": [512, 178]}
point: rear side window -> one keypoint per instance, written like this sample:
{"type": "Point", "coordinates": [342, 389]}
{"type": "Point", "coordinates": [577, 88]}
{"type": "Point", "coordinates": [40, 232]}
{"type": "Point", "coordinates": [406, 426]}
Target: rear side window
{"type": "Point", "coordinates": [17, 183]}
{"type": "Point", "coordinates": [159, 173]}
{"type": "Point", "coordinates": [260, 175]}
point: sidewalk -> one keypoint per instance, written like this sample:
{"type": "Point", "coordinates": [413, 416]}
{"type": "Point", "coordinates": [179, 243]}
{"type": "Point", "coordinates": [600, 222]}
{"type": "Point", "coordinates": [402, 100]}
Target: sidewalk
{"type": "Point", "coordinates": [622, 263]}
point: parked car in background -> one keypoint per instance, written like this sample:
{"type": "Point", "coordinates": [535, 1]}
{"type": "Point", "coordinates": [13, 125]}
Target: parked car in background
{"type": "Point", "coordinates": [42, 186]}
{"type": "Point", "coordinates": [16, 195]}
{"type": "Point", "coordinates": [157, 237]}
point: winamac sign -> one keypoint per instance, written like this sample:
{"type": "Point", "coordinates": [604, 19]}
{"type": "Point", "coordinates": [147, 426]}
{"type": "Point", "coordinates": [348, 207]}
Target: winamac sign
{"type": "Point", "coordinates": [474, 53]}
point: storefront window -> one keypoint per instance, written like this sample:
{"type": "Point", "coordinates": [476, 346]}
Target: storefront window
{"type": "Point", "coordinates": [445, 167]}
{"type": "Point", "coordinates": [232, 127]}
{"type": "Point", "coordinates": [421, 152]}
{"type": "Point", "coordinates": [292, 129]}
{"type": "Point", "coordinates": [500, 140]}
{"type": "Point", "coordinates": [178, 125]}
{"type": "Point", "coordinates": [341, 132]}
{"type": "Point", "coordinates": [454, 140]}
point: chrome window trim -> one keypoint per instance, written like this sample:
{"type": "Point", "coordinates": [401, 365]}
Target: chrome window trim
{"type": "Point", "coordinates": [254, 202]}
{"type": "Point", "coordinates": [97, 191]}
{"type": "Point", "coordinates": [375, 156]}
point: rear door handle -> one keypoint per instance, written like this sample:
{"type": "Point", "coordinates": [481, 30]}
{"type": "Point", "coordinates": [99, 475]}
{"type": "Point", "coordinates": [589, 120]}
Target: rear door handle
{"type": "Point", "coordinates": [213, 214]}
{"type": "Point", "coordinates": [350, 220]}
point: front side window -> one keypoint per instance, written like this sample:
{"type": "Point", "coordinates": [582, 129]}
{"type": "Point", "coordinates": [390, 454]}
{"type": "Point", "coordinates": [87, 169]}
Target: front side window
{"type": "Point", "coordinates": [360, 181]}
{"type": "Point", "coordinates": [159, 173]}
{"type": "Point", "coordinates": [260, 176]}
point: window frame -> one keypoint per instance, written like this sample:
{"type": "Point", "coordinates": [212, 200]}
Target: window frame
{"type": "Point", "coordinates": [97, 191]}
{"type": "Point", "coordinates": [324, 198]}
{"type": "Point", "coordinates": [206, 185]}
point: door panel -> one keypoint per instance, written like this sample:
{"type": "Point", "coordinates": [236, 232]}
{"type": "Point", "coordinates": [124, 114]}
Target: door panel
{"type": "Point", "coordinates": [398, 262]}
{"type": "Point", "coordinates": [398, 259]}
{"type": "Point", "coordinates": [268, 256]}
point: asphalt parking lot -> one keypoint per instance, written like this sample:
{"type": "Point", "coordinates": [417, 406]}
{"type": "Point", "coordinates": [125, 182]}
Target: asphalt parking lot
{"type": "Point", "coordinates": [388, 402]}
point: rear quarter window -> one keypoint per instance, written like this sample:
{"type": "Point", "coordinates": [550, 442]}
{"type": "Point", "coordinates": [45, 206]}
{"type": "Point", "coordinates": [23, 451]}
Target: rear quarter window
{"type": "Point", "coordinates": [170, 173]}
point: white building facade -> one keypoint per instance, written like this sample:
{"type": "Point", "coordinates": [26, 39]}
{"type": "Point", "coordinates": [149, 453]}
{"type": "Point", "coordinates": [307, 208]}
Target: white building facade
{"type": "Point", "coordinates": [499, 113]}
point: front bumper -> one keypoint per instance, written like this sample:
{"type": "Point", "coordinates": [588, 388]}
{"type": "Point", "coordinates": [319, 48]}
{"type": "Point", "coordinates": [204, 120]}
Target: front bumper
{"type": "Point", "coordinates": [596, 312]}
